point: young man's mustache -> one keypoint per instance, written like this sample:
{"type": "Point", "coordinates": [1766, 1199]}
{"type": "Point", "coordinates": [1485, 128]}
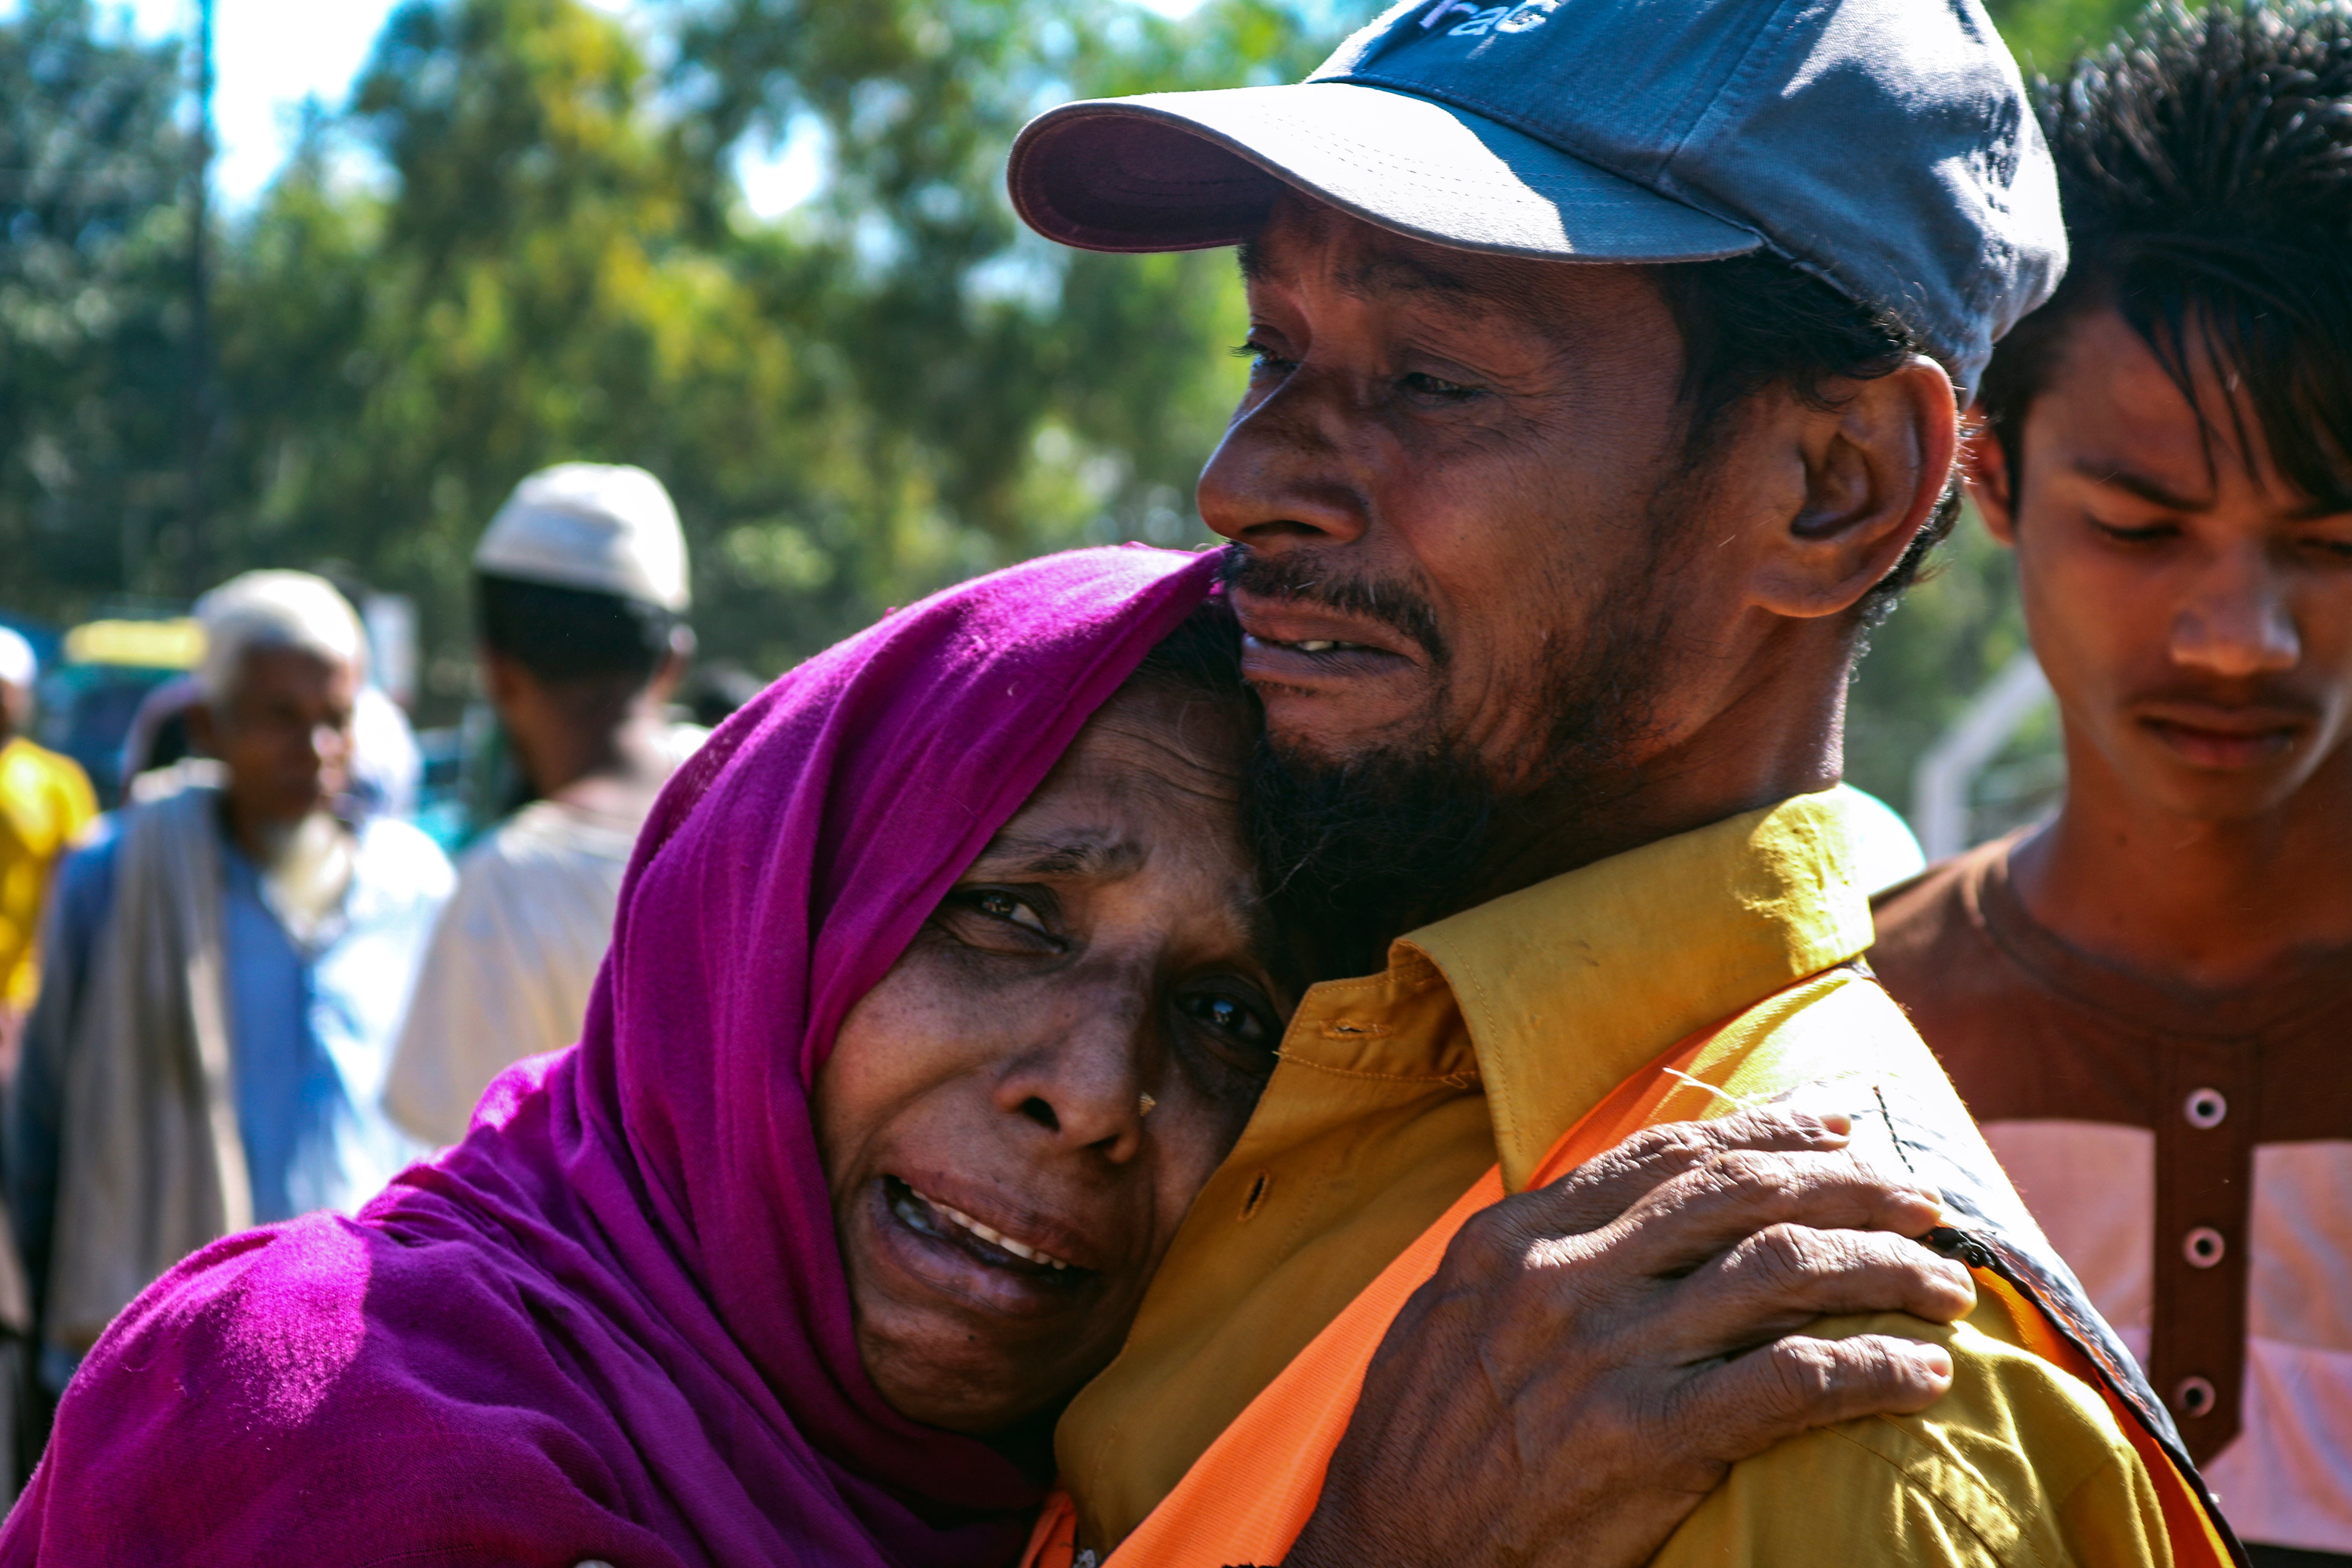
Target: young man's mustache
{"type": "Point", "coordinates": [2270, 701]}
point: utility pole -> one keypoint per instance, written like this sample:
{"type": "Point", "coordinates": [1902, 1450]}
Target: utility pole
{"type": "Point", "coordinates": [198, 436]}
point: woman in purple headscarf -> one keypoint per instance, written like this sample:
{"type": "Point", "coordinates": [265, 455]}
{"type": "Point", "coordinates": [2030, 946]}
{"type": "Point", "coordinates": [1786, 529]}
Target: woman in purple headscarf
{"type": "Point", "coordinates": [912, 1003]}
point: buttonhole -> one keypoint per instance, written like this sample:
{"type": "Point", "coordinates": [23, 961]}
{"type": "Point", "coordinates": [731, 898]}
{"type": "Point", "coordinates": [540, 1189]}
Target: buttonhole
{"type": "Point", "coordinates": [1257, 1195]}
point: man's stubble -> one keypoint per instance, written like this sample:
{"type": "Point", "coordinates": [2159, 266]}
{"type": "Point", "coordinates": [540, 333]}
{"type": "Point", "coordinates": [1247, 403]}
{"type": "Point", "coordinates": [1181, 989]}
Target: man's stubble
{"type": "Point", "coordinates": [1357, 852]}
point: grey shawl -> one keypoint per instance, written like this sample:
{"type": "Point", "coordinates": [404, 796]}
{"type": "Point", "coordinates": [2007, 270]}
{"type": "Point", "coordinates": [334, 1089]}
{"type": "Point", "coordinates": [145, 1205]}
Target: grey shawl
{"type": "Point", "coordinates": [153, 1165]}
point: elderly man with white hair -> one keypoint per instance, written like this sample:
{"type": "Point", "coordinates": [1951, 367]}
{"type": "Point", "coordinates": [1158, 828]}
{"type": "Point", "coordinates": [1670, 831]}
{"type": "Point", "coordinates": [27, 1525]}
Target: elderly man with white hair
{"type": "Point", "coordinates": [226, 962]}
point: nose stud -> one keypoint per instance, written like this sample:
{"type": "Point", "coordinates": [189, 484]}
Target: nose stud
{"type": "Point", "coordinates": [1143, 1106]}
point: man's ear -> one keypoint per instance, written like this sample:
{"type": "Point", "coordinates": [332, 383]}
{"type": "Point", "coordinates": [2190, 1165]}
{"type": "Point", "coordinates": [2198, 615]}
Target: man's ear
{"type": "Point", "coordinates": [1875, 464]}
{"type": "Point", "coordinates": [1985, 461]}
{"type": "Point", "coordinates": [674, 665]}
{"type": "Point", "coordinates": [502, 677]}
{"type": "Point", "coordinates": [203, 733]}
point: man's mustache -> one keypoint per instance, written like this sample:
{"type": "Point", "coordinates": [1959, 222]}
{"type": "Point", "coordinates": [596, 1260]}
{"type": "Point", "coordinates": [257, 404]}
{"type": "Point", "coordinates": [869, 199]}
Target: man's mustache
{"type": "Point", "coordinates": [1298, 577]}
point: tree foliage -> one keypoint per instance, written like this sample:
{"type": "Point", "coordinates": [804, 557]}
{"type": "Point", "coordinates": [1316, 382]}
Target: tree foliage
{"type": "Point", "coordinates": [893, 386]}
{"type": "Point", "coordinates": [92, 301]}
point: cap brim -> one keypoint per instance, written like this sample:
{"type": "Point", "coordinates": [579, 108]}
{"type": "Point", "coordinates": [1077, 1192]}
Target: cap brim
{"type": "Point", "coordinates": [1189, 171]}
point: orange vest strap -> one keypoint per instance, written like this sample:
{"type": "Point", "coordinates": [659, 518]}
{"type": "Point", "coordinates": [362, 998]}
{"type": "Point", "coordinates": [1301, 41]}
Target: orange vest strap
{"type": "Point", "coordinates": [2186, 1525]}
{"type": "Point", "coordinates": [1247, 1497]}
{"type": "Point", "coordinates": [1054, 1540]}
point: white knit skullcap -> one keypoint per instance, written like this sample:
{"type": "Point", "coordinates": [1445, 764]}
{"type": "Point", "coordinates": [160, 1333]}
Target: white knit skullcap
{"type": "Point", "coordinates": [274, 609]}
{"type": "Point", "coordinates": [17, 665]}
{"type": "Point", "coordinates": [591, 525]}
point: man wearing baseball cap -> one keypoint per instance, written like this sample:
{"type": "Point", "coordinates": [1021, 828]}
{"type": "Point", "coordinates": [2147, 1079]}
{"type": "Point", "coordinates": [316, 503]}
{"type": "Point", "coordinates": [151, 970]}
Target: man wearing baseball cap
{"type": "Point", "coordinates": [581, 586]}
{"type": "Point", "coordinates": [1608, 361]}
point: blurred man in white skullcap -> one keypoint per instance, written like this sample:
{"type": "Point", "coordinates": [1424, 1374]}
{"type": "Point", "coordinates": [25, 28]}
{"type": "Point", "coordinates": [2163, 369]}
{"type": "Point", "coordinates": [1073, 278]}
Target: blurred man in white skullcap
{"type": "Point", "coordinates": [229, 959]}
{"type": "Point", "coordinates": [581, 589]}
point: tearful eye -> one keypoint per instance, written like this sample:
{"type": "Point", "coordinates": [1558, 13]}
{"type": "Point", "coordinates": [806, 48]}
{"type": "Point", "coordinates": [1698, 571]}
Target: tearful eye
{"type": "Point", "coordinates": [1263, 361]}
{"type": "Point", "coordinates": [1238, 1022]}
{"type": "Point", "coordinates": [1004, 906]}
{"type": "Point", "coordinates": [1436, 386]}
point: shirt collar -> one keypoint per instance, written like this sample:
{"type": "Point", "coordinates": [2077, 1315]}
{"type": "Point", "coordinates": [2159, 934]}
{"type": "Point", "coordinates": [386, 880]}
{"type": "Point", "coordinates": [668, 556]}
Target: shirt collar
{"type": "Point", "coordinates": [1568, 986]}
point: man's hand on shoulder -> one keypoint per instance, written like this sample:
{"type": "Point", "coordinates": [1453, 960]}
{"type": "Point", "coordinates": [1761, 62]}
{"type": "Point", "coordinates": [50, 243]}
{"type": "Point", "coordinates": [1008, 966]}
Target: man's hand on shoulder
{"type": "Point", "coordinates": [1592, 1356]}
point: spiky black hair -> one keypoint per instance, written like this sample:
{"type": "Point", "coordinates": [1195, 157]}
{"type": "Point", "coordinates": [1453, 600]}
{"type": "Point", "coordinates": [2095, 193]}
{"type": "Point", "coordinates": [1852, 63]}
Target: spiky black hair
{"type": "Point", "coordinates": [2205, 162]}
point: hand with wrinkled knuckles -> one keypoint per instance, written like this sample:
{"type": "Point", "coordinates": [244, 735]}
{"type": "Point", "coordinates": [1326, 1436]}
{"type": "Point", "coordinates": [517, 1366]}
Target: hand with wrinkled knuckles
{"type": "Point", "coordinates": [1591, 1357]}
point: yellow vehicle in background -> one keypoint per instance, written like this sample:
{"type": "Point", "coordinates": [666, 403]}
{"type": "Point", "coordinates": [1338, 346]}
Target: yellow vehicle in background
{"type": "Point", "coordinates": [106, 668]}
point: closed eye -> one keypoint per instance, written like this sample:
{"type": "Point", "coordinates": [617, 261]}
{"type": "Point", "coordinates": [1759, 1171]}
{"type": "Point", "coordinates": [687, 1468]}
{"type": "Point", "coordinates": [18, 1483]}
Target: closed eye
{"type": "Point", "coordinates": [1264, 360]}
{"type": "Point", "coordinates": [1422, 384]}
{"type": "Point", "coordinates": [2147, 533]}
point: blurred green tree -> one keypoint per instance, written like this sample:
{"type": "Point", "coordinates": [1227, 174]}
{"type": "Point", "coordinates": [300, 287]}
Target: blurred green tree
{"type": "Point", "coordinates": [530, 289]}
{"type": "Point", "coordinates": [92, 318]}
{"type": "Point", "coordinates": [891, 387]}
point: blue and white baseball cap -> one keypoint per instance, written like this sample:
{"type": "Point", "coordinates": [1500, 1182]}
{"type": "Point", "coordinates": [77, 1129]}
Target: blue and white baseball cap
{"type": "Point", "coordinates": [1884, 145]}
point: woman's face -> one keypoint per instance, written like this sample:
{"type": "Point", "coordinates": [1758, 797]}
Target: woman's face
{"type": "Point", "coordinates": [1015, 1121]}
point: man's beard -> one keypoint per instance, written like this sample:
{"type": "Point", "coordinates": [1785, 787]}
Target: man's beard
{"type": "Point", "coordinates": [1355, 853]}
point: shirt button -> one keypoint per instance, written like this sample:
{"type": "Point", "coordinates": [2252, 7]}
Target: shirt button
{"type": "Point", "coordinates": [2194, 1396]}
{"type": "Point", "coordinates": [2203, 1247]}
{"type": "Point", "coordinates": [2205, 1108]}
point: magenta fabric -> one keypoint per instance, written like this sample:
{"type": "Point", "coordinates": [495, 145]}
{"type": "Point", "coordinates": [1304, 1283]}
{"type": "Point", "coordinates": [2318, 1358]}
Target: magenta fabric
{"type": "Point", "coordinates": [612, 1324]}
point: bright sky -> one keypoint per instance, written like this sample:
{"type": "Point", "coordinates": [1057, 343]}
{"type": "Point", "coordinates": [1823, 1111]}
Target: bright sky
{"type": "Point", "coordinates": [268, 55]}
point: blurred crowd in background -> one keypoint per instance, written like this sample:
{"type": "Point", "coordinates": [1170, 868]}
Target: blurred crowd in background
{"type": "Point", "coordinates": [523, 239]}
{"type": "Point", "coordinates": [270, 893]}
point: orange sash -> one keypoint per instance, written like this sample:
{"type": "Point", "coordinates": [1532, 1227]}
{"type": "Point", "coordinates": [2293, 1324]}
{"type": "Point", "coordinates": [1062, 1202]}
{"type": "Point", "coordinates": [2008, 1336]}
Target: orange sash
{"type": "Point", "coordinates": [1247, 1499]}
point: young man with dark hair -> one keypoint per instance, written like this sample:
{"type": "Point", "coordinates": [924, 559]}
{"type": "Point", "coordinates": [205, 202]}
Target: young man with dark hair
{"type": "Point", "coordinates": [580, 589]}
{"type": "Point", "coordinates": [2144, 999]}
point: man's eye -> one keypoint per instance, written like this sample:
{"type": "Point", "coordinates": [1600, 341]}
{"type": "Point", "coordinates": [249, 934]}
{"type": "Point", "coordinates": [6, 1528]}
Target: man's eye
{"type": "Point", "coordinates": [2145, 533]}
{"type": "Point", "coordinates": [2334, 550]}
{"type": "Point", "coordinates": [1264, 360]}
{"type": "Point", "coordinates": [1004, 906]}
{"type": "Point", "coordinates": [1428, 385]}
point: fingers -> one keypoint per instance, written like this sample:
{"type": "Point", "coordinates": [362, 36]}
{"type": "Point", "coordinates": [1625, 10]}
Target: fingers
{"type": "Point", "coordinates": [1793, 1386]}
{"type": "Point", "coordinates": [1784, 1276]}
{"type": "Point", "coordinates": [1691, 1219]}
{"type": "Point", "coordinates": [1609, 1182]}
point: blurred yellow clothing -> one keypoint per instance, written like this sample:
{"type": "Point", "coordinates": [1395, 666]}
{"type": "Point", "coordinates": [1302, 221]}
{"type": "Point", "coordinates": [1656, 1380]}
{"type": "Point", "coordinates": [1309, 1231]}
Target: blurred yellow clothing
{"type": "Point", "coordinates": [45, 803]}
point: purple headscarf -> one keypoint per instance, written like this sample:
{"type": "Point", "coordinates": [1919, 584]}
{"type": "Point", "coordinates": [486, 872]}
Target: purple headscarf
{"type": "Point", "coordinates": [612, 1324]}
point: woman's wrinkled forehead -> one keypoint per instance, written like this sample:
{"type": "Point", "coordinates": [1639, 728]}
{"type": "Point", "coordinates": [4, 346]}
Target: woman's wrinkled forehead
{"type": "Point", "coordinates": [1155, 763]}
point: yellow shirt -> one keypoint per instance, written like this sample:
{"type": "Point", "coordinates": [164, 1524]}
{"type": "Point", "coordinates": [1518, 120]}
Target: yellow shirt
{"type": "Point", "coordinates": [1487, 1037]}
{"type": "Point", "coordinates": [45, 803]}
